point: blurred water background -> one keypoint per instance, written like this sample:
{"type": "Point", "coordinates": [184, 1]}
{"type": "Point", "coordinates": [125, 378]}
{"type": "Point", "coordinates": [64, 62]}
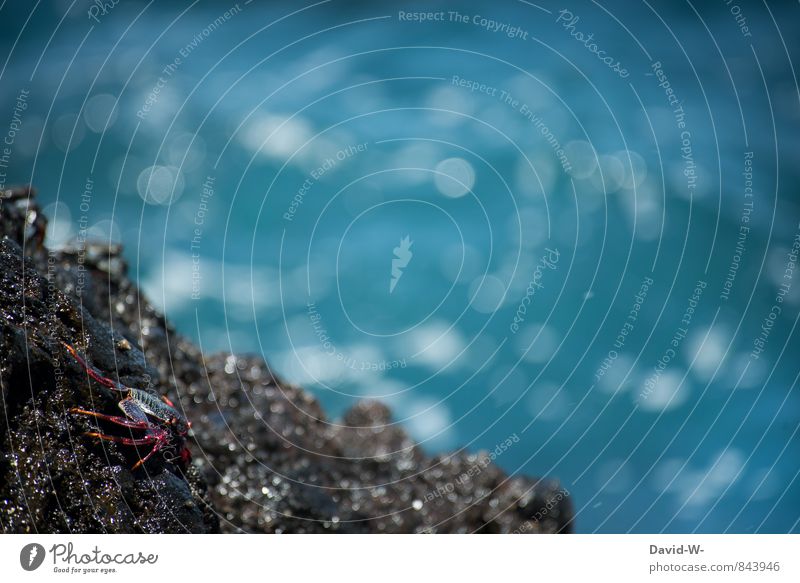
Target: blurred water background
{"type": "Point", "coordinates": [262, 168]}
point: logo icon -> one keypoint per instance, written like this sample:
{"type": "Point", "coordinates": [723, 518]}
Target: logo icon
{"type": "Point", "coordinates": [402, 255]}
{"type": "Point", "coordinates": [31, 556]}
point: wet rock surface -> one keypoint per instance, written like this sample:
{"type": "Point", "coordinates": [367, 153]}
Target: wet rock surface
{"type": "Point", "coordinates": [265, 456]}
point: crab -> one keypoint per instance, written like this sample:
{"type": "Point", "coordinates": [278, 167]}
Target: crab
{"type": "Point", "coordinates": [160, 421]}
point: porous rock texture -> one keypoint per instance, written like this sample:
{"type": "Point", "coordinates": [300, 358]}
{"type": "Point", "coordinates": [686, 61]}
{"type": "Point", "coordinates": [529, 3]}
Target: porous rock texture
{"type": "Point", "coordinates": [265, 457]}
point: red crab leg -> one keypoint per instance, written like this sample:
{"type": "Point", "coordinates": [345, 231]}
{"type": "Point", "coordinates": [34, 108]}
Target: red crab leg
{"type": "Point", "coordinates": [112, 418]}
{"type": "Point", "coordinates": [156, 447]}
{"type": "Point", "coordinates": [106, 382]}
{"type": "Point", "coordinates": [146, 440]}
{"type": "Point", "coordinates": [132, 409]}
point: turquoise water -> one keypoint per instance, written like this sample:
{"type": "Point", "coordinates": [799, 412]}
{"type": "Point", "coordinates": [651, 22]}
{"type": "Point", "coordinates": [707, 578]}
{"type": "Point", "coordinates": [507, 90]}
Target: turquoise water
{"type": "Point", "coordinates": [475, 219]}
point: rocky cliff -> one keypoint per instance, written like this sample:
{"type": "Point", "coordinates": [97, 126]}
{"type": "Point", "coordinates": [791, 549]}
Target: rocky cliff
{"type": "Point", "coordinates": [265, 459]}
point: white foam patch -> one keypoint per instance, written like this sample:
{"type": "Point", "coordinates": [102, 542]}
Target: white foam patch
{"type": "Point", "coordinates": [486, 294]}
{"type": "Point", "coordinates": [534, 89]}
{"type": "Point", "coordinates": [367, 354]}
{"type": "Point", "coordinates": [667, 393]}
{"type": "Point", "coordinates": [435, 343]}
{"type": "Point", "coordinates": [187, 151]}
{"type": "Point", "coordinates": [454, 177]}
{"type": "Point", "coordinates": [744, 373]}
{"type": "Point", "coordinates": [106, 231]}
{"type": "Point", "coordinates": [619, 375]}
{"type": "Point", "coordinates": [248, 289]}
{"type": "Point", "coordinates": [765, 483]}
{"type": "Point", "coordinates": [634, 167]}
{"type": "Point", "coordinates": [666, 475]}
{"type": "Point", "coordinates": [160, 185]}
{"type": "Point", "coordinates": [707, 347]}
{"type": "Point", "coordinates": [678, 181]}
{"type": "Point", "coordinates": [291, 285]}
{"type": "Point", "coordinates": [59, 225]}
{"type": "Point", "coordinates": [415, 160]}
{"type": "Point", "coordinates": [100, 112]}
{"type": "Point", "coordinates": [609, 175]}
{"type": "Point", "coordinates": [429, 423]}
{"type": "Point", "coordinates": [310, 364]}
{"type": "Point", "coordinates": [644, 210]}
{"type": "Point", "coordinates": [276, 136]}
{"type": "Point", "coordinates": [701, 487]}
{"type": "Point", "coordinates": [170, 287]}
{"type": "Point", "coordinates": [449, 98]}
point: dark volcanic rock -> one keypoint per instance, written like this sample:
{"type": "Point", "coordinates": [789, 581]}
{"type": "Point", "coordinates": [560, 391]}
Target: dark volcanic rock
{"type": "Point", "coordinates": [266, 459]}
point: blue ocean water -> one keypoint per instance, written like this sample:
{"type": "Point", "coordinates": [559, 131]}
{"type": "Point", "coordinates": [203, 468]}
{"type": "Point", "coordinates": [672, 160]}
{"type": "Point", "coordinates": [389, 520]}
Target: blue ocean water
{"type": "Point", "coordinates": [488, 219]}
